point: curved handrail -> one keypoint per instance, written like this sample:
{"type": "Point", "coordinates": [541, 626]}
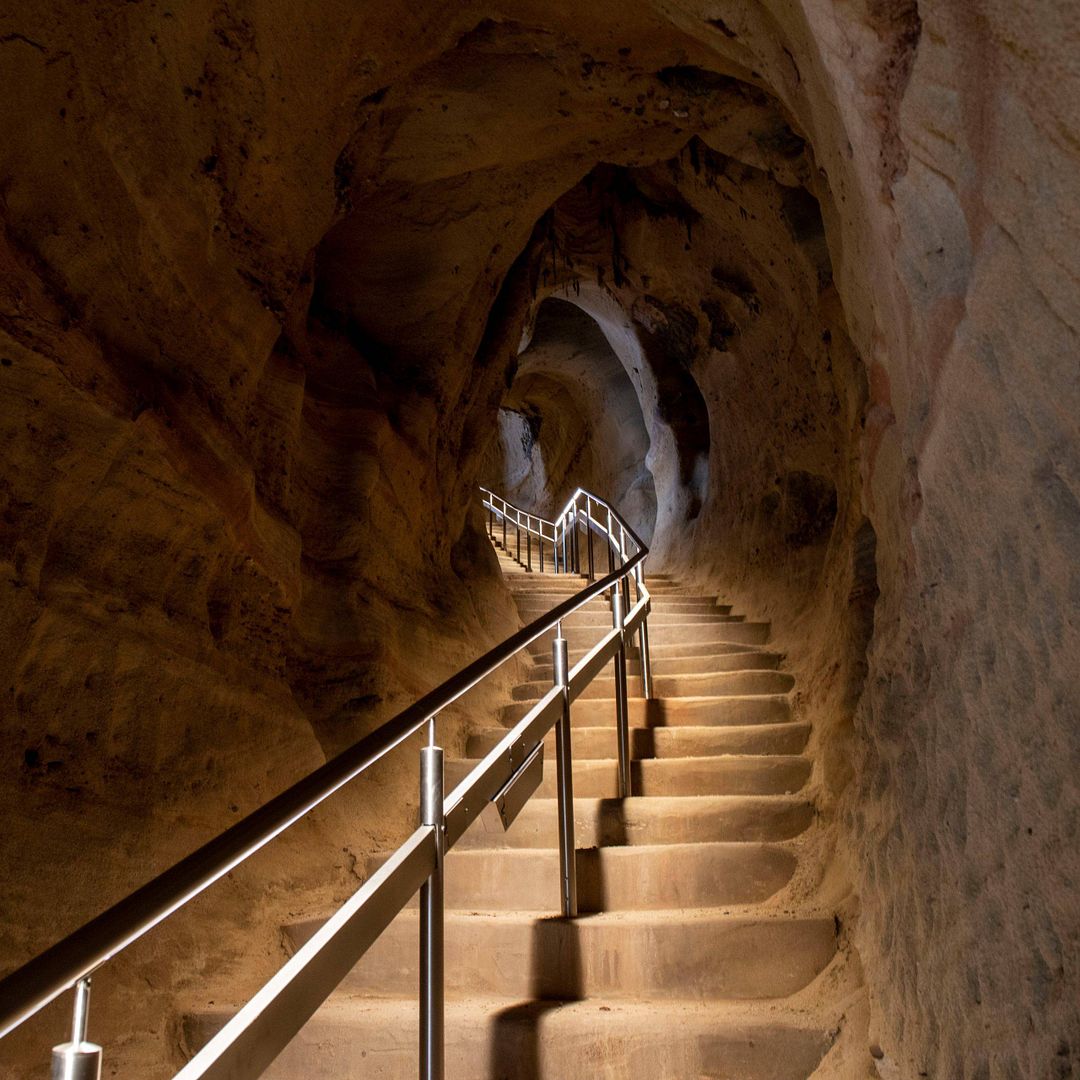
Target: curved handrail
{"type": "Point", "coordinates": [571, 504]}
{"type": "Point", "coordinates": [61, 967]}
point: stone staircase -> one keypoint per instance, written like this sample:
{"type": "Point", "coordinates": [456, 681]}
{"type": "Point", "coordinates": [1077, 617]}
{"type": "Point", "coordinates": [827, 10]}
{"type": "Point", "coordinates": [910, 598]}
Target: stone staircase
{"type": "Point", "coordinates": [681, 964]}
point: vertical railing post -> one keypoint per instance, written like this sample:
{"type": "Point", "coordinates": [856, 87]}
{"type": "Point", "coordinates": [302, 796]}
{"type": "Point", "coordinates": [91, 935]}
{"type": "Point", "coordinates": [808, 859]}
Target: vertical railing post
{"type": "Point", "coordinates": [431, 916]}
{"type": "Point", "coordinates": [78, 1059]}
{"type": "Point", "coordinates": [540, 545]}
{"type": "Point", "coordinates": [610, 544]}
{"type": "Point", "coordinates": [622, 719]}
{"type": "Point", "coordinates": [588, 538]}
{"type": "Point", "coordinates": [643, 641]}
{"type": "Point", "coordinates": [517, 529]}
{"type": "Point", "coordinates": [626, 579]}
{"type": "Point", "coordinates": [491, 523]}
{"type": "Point", "coordinates": [505, 548]}
{"type": "Point", "coordinates": [528, 541]}
{"type": "Point", "coordinates": [564, 764]}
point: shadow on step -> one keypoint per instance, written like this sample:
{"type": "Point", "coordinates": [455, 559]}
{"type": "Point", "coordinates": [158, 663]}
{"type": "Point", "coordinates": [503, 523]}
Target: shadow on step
{"type": "Point", "coordinates": [557, 975]}
{"type": "Point", "coordinates": [556, 979]}
{"type": "Point", "coordinates": [611, 831]}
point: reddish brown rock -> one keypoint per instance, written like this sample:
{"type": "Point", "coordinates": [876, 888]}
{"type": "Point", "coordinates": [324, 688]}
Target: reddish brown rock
{"type": "Point", "coordinates": [266, 272]}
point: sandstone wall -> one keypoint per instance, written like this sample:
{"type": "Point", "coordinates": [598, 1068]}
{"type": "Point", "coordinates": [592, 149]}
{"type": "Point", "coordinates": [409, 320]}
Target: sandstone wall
{"type": "Point", "coordinates": [266, 271]}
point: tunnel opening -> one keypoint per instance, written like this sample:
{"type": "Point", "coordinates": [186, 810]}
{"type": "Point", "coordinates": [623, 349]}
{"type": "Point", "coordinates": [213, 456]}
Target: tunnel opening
{"type": "Point", "coordinates": [572, 418]}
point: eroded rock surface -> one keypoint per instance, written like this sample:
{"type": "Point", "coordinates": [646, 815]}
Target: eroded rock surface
{"type": "Point", "coordinates": [266, 272]}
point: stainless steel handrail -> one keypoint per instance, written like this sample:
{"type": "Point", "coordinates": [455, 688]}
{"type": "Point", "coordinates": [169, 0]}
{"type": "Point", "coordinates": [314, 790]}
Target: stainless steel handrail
{"type": "Point", "coordinates": [295, 991]}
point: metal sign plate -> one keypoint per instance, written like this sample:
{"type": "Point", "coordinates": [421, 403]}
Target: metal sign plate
{"type": "Point", "coordinates": [517, 791]}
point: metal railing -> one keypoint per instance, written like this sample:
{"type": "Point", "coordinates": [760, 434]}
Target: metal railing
{"type": "Point", "coordinates": [507, 776]}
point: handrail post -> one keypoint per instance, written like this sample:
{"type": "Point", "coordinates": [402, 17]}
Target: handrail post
{"type": "Point", "coordinates": [517, 530]}
{"type": "Point", "coordinates": [643, 642]}
{"type": "Point", "coordinates": [78, 1059]}
{"type": "Point", "coordinates": [431, 916]}
{"type": "Point", "coordinates": [622, 719]}
{"type": "Point", "coordinates": [564, 763]}
{"type": "Point", "coordinates": [589, 541]}
{"type": "Point", "coordinates": [626, 579]}
{"type": "Point", "coordinates": [528, 541]}
{"type": "Point", "coordinates": [610, 544]}
{"type": "Point", "coordinates": [503, 515]}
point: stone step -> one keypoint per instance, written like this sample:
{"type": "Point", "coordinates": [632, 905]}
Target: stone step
{"type": "Point", "coordinates": [748, 633]}
{"type": "Point", "coordinates": [521, 574]}
{"type": "Point", "coordinates": [616, 879]}
{"type": "Point", "coordinates": [496, 1039]}
{"type": "Point", "coordinates": [708, 684]}
{"type": "Point", "coordinates": [689, 954]}
{"type": "Point", "coordinates": [744, 660]}
{"type": "Point", "coordinates": [649, 821]}
{"type": "Point", "coordinates": [540, 649]}
{"type": "Point", "coordinates": [682, 649]}
{"type": "Point", "coordinates": [675, 742]}
{"type": "Point", "coordinates": [729, 774]}
{"type": "Point", "coordinates": [600, 617]}
{"type": "Point", "coordinates": [702, 605]}
{"type": "Point", "coordinates": [669, 712]}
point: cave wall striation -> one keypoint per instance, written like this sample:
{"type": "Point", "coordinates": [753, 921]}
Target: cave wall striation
{"type": "Point", "coordinates": [266, 274]}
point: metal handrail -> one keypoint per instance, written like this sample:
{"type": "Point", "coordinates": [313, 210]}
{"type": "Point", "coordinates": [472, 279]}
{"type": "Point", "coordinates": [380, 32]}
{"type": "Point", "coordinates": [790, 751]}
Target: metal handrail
{"type": "Point", "coordinates": [303, 983]}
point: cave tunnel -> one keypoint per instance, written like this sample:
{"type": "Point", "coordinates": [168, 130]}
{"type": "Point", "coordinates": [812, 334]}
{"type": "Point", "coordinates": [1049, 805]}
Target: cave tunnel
{"type": "Point", "coordinates": [573, 419]}
{"type": "Point", "coordinates": [791, 288]}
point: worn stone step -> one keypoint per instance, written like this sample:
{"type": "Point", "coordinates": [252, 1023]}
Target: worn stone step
{"type": "Point", "coordinates": [743, 660]}
{"type": "Point", "coordinates": [600, 617]}
{"type": "Point", "coordinates": [682, 649]}
{"type": "Point", "coordinates": [697, 605]}
{"type": "Point", "coordinates": [656, 820]}
{"type": "Point", "coordinates": [540, 649]}
{"type": "Point", "coordinates": [616, 879]}
{"type": "Point", "coordinates": [730, 774]}
{"type": "Point", "coordinates": [691, 955]}
{"type": "Point", "coordinates": [716, 683]}
{"type": "Point", "coordinates": [750, 633]}
{"type": "Point", "coordinates": [354, 1038]}
{"type": "Point", "coordinates": [520, 574]}
{"type": "Point", "coordinates": [675, 742]}
{"type": "Point", "coordinates": [669, 712]}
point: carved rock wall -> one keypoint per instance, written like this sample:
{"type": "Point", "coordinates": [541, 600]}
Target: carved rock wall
{"type": "Point", "coordinates": [266, 269]}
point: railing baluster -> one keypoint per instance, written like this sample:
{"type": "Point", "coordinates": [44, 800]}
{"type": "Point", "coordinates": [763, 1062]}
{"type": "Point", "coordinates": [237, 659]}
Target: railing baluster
{"type": "Point", "coordinates": [592, 570]}
{"type": "Point", "coordinates": [643, 642]}
{"type": "Point", "coordinates": [625, 584]}
{"type": "Point", "coordinates": [78, 1059]}
{"type": "Point", "coordinates": [528, 541]}
{"type": "Point", "coordinates": [564, 763]}
{"type": "Point", "coordinates": [622, 720]}
{"type": "Point", "coordinates": [431, 916]}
